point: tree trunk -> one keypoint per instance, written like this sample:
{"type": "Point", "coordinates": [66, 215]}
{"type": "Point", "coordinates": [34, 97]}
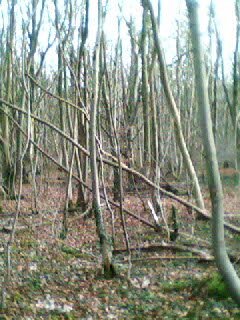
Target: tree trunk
{"type": "Point", "coordinates": [215, 187]}
{"type": "Point", "coordinates": [145, 96]}
{"type": "Point", "coordinates": [108, 267]}
{"type": "Point", "coordinates": [7, 166]}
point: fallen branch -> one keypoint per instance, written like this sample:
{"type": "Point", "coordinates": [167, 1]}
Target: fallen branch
{"type": "Point", "coordinates": [167, 246]}
{"type": "Point", "coordinates": [177, 248]}
{"type": "Point", "coordinates": [200, 259]}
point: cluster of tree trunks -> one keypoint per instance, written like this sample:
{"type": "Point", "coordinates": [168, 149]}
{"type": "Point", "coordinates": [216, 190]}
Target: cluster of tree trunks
{"type": "Point", "coordinates": [101, 121]}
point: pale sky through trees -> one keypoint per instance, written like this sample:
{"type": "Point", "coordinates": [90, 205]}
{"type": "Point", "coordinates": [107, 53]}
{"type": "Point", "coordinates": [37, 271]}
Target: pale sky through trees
{"type": "Point", "coordinates": [174, 10]}
{"type": "Point", "coordinates": [171, 11]}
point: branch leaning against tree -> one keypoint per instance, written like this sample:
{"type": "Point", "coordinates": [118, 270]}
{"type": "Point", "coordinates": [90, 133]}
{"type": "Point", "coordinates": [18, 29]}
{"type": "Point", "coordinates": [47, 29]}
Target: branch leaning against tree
{"type": "Point", "coordinates": [114, 163]}
{"type": "Point", "coordinates": [151, 184]}
{"type": "Point", "coordinates": [173, 107]}
{"type": "Point", "coordinates": [103, 196]}
{"type": "Point", "coordinates": [82, 109]}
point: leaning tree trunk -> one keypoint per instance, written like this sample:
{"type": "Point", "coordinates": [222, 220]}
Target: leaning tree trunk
{"type": "Point", "coordinates": [215, 187]}
{"type": "Point", "coordinates": [173, 108]}
{"type": "Point", "coordinates": [96, 206]}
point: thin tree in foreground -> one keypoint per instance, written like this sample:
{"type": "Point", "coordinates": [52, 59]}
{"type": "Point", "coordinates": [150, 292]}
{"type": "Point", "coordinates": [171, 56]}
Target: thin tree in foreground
{"type": "Point", "coordinates": [214, 183]}
{"type": "Point", "coordinates": [96, 206]}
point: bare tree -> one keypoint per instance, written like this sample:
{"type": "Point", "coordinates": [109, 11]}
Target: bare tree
{"type": "Point", "coordinates": [108, 267]}
{"type": "Point", "coordinates": [145, 94]}
{"type": "Point", "coordinates": [7, 175]}
{"type": "Point", "coordinates": [215, 187]}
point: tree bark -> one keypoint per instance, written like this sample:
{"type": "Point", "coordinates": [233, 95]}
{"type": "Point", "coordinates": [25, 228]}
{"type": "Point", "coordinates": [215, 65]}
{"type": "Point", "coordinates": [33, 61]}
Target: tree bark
{"type": "Point", "coordinates": [106, 251]}
{"type": "Point", "coordinates": [215, 187]}
{"type": "Point", "coordinates": [145, 96]}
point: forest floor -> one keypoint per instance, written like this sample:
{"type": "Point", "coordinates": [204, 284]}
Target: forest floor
{"type": "Point", "coordinates": [61, 279]}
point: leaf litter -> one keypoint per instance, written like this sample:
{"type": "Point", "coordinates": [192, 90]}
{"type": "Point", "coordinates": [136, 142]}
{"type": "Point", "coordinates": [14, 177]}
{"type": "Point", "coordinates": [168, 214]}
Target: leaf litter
{"type": "Point", "coordinates": [62, 279]}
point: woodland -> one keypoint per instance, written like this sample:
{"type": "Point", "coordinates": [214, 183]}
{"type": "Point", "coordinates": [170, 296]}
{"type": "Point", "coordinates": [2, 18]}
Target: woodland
{"type": "Point", "coordinates": [120, 170]}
